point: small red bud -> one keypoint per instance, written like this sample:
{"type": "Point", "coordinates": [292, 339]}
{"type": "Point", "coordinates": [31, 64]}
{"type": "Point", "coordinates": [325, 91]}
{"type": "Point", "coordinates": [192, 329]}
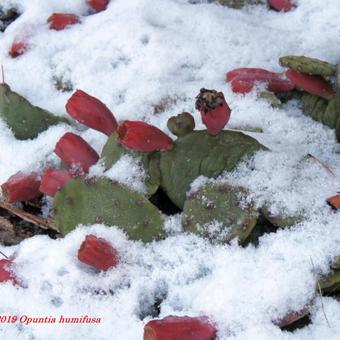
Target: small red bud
{"type": "Point", "coordinates": [75, 152]}
{"type": "Point", "coordinates": [91, 112]}
{"type": "Point", "coordinates": [53, 180]}
{"type": "Point", "coordinates": [59, 21]}
{"type": "Point", "coordinates": [179, 328]}
{"type": "Point", "coordinates": [215, 112]}
{"type": "Point", "coordinates": [21, 187]}
{"type": "Point", "coordinates": [143, 137]}
{"type": "Point", "coordinates": [98, 253]}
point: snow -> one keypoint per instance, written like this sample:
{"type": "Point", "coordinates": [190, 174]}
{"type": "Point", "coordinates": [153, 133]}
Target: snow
{"type": "Point", "coordinates": [142, 54]}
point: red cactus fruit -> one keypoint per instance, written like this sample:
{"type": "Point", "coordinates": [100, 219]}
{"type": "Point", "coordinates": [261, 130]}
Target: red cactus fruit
{"type": "Point", "coordinates": [98, 5]}
{"type": "Point", "coordinates": [5, 271]}
{"type": "Point", "coordinates": [75, 152]}
{"type": "Point", "coordinates": [17, 49]}
{"type": "Point", "coordinates": [215, 112]}
{"type": "Point", "coordinates": [179, 328]}
{"type": "Point", "coordinates": [21, 187]}
{"type": "Point", "coordinates": [313, 84]}
{"type": "Point", "coordinates": [59, 21]}
{"type": "Point", "coordinates": [334, 201]}
{"type": "Point", "coordinates": [98, 253]}
{"type": "Point", "coordinates": [250, 73]}
{"type": "Point", "coordinates": [242, 86]}
{"type": "Point", "coordinates": [281, 5]}
{"type": "Point", "coordinates": [53, 180]}
{"type": "Point", "coordinates": [143, 137]}
{"type": "Point", "coordinates": [243, 80]}
{"type": "Point", "coordinates": [91, 112]}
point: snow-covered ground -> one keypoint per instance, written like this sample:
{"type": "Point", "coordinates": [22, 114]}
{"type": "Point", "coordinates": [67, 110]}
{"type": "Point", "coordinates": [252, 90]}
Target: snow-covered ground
{"type": "Point", "coordinates": [134, 56]}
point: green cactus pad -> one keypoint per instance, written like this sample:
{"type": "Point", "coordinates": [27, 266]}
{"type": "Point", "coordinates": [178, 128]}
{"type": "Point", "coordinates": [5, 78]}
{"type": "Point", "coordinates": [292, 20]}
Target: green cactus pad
{"type": "Point", "coordinates": [331, 284]}
{"type": "Point", "coordinates": [112, 152]}
{"type": "Point", "coordinates": [99, 200]}
{"type": "Point", "coordinates": [182, 124]}
{"type": "Point", "coordinates": [271, 98]}
{"type": "Point", "coordinates": [25, 120]}
{"type": "Point", "coordinates": [199, 153]}
{"type": "Point", "coordinates": [314, 106]}
{"type": "Point", "coordinates": [238, 3]}
{"type": "Point", "coordinates": [280, 220]}
{"type": "Point", "coordinates": [332, 112]}
{"type": "Point", "coordinates": [216, 212]}
{"type": "Point", "coordinates": [308, 65]}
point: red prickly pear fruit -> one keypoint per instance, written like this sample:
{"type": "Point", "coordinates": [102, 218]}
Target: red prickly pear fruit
{"type": "Point", "coordinates": [250, 73]}
{"type": "Point", "coordinates": [53, 180]}
{"type": "Point", "coordinates": [91, 112]}
{"type": "Point", "coordinates": [5, 271]}
{"type": "Point", "coordinates": [98, 253]}
{"type": "Point", "coordinates": [21, 187]}
{"type": "Point", "coordinates": [243, 79]}
{"type": "Point", "coordinates": [75, 152]}
{"type": "Point", "coordinates": [17, 49]}
{"type": "Point", "coordinates": [143, 137]}
{"type": "Point", "coordinates": [98, 5]}
{"type": "Point", "coordinates": [281, 5]}
{"type": "Point", "coordinates": [242, 86]}
{"type": "Point", "coordinates": [312, 84]}
{"type": "Point", "coordinates": [334, 201]}
{"type": "Point", "coordinates": [59, 21]}
{"type": "Point", "coordinates": [179, 328]}
{"type": "Point", "coordinates": [215, 112]}
{"type": "Point", "coordinates": [277, 85]}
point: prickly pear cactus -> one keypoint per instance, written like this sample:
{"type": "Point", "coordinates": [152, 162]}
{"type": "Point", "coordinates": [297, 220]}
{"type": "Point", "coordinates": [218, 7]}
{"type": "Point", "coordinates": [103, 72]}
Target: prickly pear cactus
{"type": "Point", "coordinates": [181, 124]}
{"type": "Point", "coordinates": [25, 120]}
{"type": "Point", "coordinates": [215, 212]}
{"type": "Point", "coordinates": [308, 65]}
{"type": "Point", "coordinates": [99, 200]}
{"type": "Point", "coordinates": [112, 151]}
{"type": "Point", "coordinates": [199, 153]}
{"type": "Point", "coordinates": [332, 112]}
{"type": "Point", "coordinates": [314, 106]}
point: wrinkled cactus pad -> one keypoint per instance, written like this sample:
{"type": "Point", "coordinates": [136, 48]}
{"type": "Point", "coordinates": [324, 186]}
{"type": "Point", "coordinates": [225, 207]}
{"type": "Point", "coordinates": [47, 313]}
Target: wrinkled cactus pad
{"type": "Point", "coordinates": [314, 106]}
{"type": "Point", "coordinates": [199, 153]}
{"type": "Point", "coordinates": [99, 200]}
{"type": "Point", "coordinates": [25, 120]}
{"type": "Point", "coordinates": [112, 152]}
{"type": "Point", "coordinates": [216, 212]}
{"type": "Point", "coordinates": [308, 65]}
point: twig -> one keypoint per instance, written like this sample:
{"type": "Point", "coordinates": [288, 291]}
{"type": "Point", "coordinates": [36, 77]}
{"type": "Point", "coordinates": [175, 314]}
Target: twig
{"type": "Point", "coordinates": [5, 256]}
{"type": "Point", "coordinates": [43, 223]}
{"type": "Point", "coordinates": [323, 164]}
{"type": "Point", "coordinates": [320, 293]}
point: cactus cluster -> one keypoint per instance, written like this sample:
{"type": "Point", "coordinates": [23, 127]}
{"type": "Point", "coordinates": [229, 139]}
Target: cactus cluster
{"type": "Point", "coordinates": [319, 99]}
